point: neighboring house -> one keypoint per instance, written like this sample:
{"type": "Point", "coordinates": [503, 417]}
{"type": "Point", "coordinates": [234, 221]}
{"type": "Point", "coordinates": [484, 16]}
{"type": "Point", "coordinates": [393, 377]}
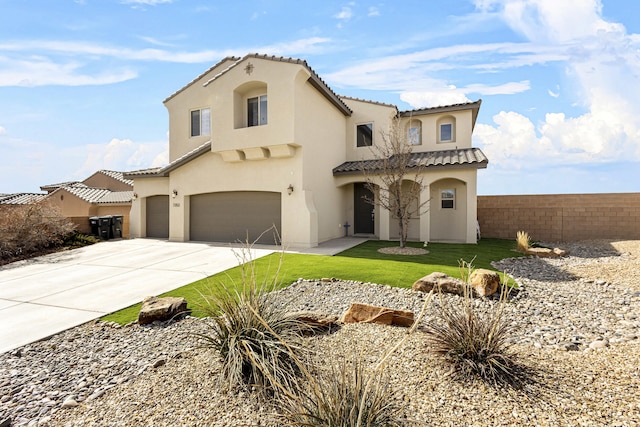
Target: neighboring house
{"type": "Point", "coordinates": [103, 193]}
{"type": "Point", "coordinates": [263, 140]}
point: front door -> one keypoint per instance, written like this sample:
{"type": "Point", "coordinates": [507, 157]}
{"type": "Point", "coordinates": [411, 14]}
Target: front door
{"type": "Point", "coordinates": [362, 210]}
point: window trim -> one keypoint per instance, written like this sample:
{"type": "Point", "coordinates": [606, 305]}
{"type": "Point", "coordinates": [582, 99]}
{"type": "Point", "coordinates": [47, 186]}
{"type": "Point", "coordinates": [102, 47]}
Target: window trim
{"type": "Point", "coordinates": [418, 131]}
{"type": "Point", "coordinates": [202, 130]}
{"type": "Point", "coordinates": [262, 105]}
{"type": "Point", "coordinates": [448, 195]}
{"type": "Point", "coordinates": [451, 137]}
{"type": "Point", "coordinates": [358, 133]}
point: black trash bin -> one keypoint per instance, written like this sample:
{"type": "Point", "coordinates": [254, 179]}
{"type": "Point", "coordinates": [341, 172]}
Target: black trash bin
{"type": "Point", "coordinates": [116, 226]}
{"type": "Point", "coordinates": [94, 222]}
{"type": "Point", "coordinates": [104, 227]}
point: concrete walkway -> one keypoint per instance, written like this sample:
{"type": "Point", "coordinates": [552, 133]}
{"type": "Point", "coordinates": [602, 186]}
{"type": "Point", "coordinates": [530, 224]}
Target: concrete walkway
{"type": "Point", "coordinates": [46, 295]}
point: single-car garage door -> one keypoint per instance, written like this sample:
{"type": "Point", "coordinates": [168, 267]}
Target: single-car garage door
{"type": "Point", "coordinates": [158, 217]}
{"type": "Point", "coordinates": [232, 216]}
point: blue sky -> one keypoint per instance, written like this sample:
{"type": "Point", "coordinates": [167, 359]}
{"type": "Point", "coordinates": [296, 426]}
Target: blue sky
{"type": "Point", "coordinates": [82, 82]}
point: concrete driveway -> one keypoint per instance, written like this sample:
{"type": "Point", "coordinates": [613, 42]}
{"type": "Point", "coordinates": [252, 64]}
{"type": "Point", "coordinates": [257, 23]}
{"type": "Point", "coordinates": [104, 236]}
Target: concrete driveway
{"type": "Point", "coordinates": [46, 295]}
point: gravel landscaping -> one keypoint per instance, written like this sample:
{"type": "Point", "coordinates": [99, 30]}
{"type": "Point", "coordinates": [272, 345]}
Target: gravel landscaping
{"type": "Point", "coordinates": [577, 324]}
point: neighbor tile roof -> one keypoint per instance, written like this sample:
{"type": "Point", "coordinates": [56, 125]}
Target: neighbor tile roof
{"type": "Point", "coordinates": [98, 195]}
{"type": "Point", "coordinates": [52, 187]}
{"type": "Point", "coordinates": [465, 157]}
{"type": "Point", "coordinates": [21, 198]}
{"type": "Point", "coordinates": [118, 176]}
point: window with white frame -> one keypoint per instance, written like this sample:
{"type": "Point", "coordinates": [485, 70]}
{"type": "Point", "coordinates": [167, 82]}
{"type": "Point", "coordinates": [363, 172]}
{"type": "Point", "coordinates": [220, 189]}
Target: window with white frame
{"type": "Point", "coordinates": [257, 111]}
{"type": "Point", "coordinates": [448, 199]}
{"type": "Point", "coordinates": [201, 122]}
{"type": "Point", "coordinates": [414, 132]}
{"type": "Point", "coordinates": [364, 135]}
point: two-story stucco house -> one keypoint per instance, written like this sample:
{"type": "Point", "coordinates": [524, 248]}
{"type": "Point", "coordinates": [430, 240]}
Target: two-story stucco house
{"type": "Point", "coordinates": [261, 140]}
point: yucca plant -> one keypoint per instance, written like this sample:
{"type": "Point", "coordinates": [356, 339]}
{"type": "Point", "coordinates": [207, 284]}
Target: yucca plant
{"type": "Point", "coordinates": [344, 396]}
{"type": "Point", "coordinates": [257, 341]}
{"type": "Point", "coordinates": [523, 241]}
{"type": "Point", "coordinates": [475, 344]}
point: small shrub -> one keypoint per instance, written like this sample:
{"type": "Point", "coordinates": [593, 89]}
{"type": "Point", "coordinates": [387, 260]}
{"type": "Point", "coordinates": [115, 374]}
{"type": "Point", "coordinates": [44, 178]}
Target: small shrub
{"type": "Point", "coordinates": [476, 344]}
{"type": "Point", "coordinates": [523, 242]}
{"type": "Point", "coordinates": [344, 396]}
{"type": "Point", "coordinates": [28, 229]}
{"type": "Point", "coordinates": [78, 240]}
{"type": "Point", "coordinates": [256, 339]}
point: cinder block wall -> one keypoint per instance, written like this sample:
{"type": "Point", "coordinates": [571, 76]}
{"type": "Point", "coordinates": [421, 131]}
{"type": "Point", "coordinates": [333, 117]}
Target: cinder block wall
{"type": "Point", "coordinates": [561, 217]}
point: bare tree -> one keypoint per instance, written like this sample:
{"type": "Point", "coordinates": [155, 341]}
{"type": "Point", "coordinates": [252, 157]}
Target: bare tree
{"type": "Point", "coordinates": [395, 177]}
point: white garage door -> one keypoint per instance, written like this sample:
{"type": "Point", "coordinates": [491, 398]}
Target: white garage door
{"type": "Point", "coordinates": [235, 216]}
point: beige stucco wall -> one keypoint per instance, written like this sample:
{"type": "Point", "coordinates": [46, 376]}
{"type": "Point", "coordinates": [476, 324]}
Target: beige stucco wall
{"type": "Point", "coordinates": [179, 106]}
{"type": "Point", "coordinates": [145, 187]}
{"type": "Point", "coordinates": [305, 138]}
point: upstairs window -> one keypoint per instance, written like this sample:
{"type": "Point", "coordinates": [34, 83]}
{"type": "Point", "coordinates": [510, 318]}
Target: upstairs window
{"type": "Point", "coordinates": [447, 129]}
{"type": "Point", "coordinates": [257, 111]}
{"type": "Point", "coordinates": [446, 132]}
{"type": "Point", "coordinates": [448, 199]}
{"type": "Point", "coordinates": [364, 135]}
{"type": "Point", "coordinates": [201, 122]}
{"type": "Point", "coordinates": [414, 132]}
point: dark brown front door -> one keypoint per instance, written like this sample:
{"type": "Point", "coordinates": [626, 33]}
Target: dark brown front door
{"type": "Point", "coordinates": [362, 210]}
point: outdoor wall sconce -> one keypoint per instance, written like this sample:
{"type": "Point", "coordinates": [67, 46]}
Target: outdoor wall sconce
{"type": "Point", "coordinates": [290, 189]}
{"type": "Point", "coordinates": [135, 196]}
{"type": "Point", "coordinates": [175, 193]}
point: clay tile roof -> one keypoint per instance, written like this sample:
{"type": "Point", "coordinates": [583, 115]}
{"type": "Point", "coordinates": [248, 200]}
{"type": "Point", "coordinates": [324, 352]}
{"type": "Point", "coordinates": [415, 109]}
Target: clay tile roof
{"type": "Point", "coordinates": [22, 198]}
{"type": "Point", "coordinates": [116, 197]}
{"type": "Point", "coordinates": [118, 176]}
{"type": "Point", "coordinates": [164, 171]}
{"type": "Point", "coordinates": [446, 159]}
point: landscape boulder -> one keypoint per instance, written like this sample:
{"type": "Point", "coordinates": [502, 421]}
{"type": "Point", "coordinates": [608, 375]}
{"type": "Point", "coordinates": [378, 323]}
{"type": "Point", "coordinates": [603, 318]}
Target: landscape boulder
{"type": "Point", "coordinates": [547, 252]}
{"type": "Point", "coordinates": [316, 322]}
{"type": "Point", "coordinates": [439, 282]}
{"type": "Point", "coordinates": [484, 282]}
{"type": "Point", "coordinates": [365, 313]}
{"type": "Point", "coordinates": [161, 309]}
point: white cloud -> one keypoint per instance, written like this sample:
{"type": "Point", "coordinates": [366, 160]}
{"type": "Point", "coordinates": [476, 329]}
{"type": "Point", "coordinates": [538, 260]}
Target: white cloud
{"type": "Point", "coordinates": [123, 155]}
{"type": "Point", "coordinates": [373, 11]}
{"type": "Point", "coordinates": [603, 63]}
{"type": "Point", "coordinates": [345, 14]}
{"type": "Point", "coordinates": [42, 62]}
{"type": "Point", "coordinates": [434, 98]}
{"type": "Point", "coordinates": [40, 71]}
{"type": "Point", "coordinates": [2, 130]}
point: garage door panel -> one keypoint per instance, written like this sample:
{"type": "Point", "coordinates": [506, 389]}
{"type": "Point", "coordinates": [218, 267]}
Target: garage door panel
{"type": "Point", "coordinates": [232, 216]}
{"type": "Point", "coordinates": [158, 217]}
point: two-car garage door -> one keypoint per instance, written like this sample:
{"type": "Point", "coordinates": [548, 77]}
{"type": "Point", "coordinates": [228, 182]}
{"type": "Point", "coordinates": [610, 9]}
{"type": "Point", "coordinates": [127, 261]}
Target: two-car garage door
{"type": "Point", "coordinates": [235, 216]}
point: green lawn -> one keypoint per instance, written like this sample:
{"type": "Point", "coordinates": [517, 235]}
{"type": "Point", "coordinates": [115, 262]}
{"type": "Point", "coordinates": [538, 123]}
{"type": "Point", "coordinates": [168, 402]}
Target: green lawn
{"type": "Point", "coordinates": [362, 263]}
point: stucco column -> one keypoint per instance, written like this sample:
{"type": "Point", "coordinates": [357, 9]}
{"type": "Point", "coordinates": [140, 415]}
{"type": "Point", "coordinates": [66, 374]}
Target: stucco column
{"type": "Point", "coordinates": [177, 218]}
{"type": "Point", "coordinates": [383, 222]}
{"type": "Point", "coordinates": [136, 216]}
{"type": "Point", "coordinates": [472, 211]}
{"type": "Point", "coordinates": [425, 217]}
